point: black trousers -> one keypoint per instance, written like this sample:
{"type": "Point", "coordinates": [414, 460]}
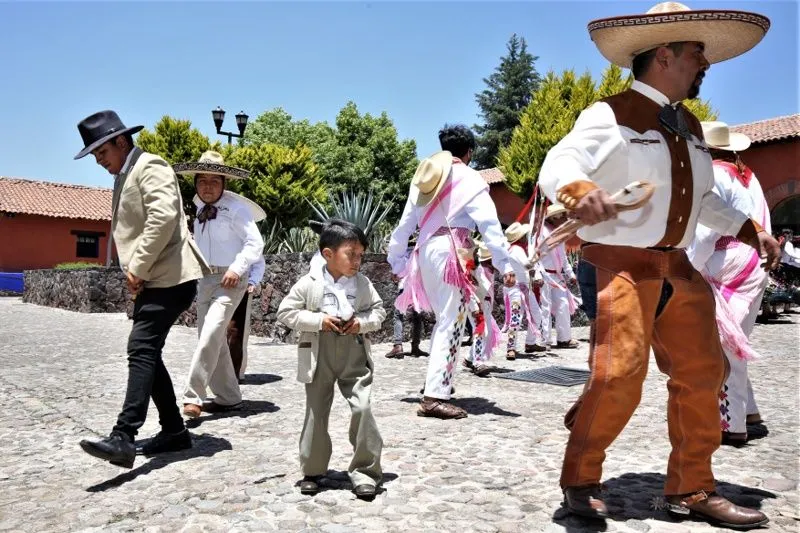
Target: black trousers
{"type": "Point", "coordinates": [154, 313]}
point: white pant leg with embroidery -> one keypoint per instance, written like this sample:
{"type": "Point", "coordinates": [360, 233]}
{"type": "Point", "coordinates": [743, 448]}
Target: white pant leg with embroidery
{"type": "Point", "coordinates": [449, 306]}
{"type": "Point", "coordinates": [513, 297]}
{"type": "Point", "coordinates": [547, 318]}
{"type": "Point", "coordinates": [534, 335]}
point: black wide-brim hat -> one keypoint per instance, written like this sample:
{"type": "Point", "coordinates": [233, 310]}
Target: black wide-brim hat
{"type": "Point", "coordinates": [100, 128]}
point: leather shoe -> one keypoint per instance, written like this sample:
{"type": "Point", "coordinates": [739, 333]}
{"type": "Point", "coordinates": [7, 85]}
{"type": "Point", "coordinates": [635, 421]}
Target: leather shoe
{"type": "Point", "coordinates": [396, 352]}
{"type": "Point", "coordinates": [214, 407]}
{"type": "Point", "coordinates": [435, 408]}
{"type": "Point", "coordinates": [585, 501]}
{"type": "Point", "coordinates": [716, 510]}
{"type": "Point", "coordinates": [532, 348]}
{"type": "Point", "coordinates": [165, 442]}
{"type": "Point", "coordinates": [365, 491]}
{"type": "Point", "coordinates": [416, 351]}
{"type": "Point", "coordinates": [309, 485]}
{"type": "Point", "coordinates": [117, 449]}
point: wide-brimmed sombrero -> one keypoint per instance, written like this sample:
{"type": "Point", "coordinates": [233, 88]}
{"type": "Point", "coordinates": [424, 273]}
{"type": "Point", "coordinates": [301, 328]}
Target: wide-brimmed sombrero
{"type": "Point", "coordinates": [516, 231]}
{"type": "Point", "coordinates": [724, 33]}
{"type": "Point", "coordinates": [718, 135]}
{"type": "Point", "coordinates": [211, 162]}
{"type": "Point", "coordinates": [553, 210]}
{"type": "Point", "coordinates": [430, 177]}
{"type": "Point", "coordinates": [484, 254]}
{"type": "Point", "coordinates": [255, 209]}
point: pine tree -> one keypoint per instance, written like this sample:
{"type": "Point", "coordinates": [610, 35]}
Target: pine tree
{"type": "Point", "coordinates": [508, 91]}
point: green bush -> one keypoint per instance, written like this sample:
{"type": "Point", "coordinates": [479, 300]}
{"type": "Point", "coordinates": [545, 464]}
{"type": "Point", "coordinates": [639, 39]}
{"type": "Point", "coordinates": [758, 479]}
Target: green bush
{"type": "Point", "coordinates": [79, 265]}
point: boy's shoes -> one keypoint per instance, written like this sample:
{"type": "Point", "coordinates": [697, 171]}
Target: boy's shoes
{"type": "Point", "coordinates": [481, 370]}
{"type": "Point", "coordinates": [117, 449]}
{"type": "Point", "coordinates": [191, 410]}
{"type": "Point", "coordinates": [532, 348]}
{"type": "Point", "coordinates": [165, 442]}
{"type": "Point", "coordinates": [309, 485]}
{"type": "Point", "coordinates": [511, 355]}
{"type": "Point", "coordinates": [213, 407]}
{"type": "Point", "coordinates": [572, 343]}
{"type": "Point", "coordinates": [417, 352]}
{"type": "Point", "coordinates": [440, 409]}
{"type": "Point", "coordinates": [365, 492]}
{"type": "Point", "coordinates": [396, 352]}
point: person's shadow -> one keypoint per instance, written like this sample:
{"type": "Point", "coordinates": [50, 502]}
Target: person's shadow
{"type": "Point", "coordinates": [473, 406]}
{"type": "Point", "coordinates": [249, 408]}
{"type": "Point", "coordinates": [640, 496]}
{"type": "Point", "coordinates": [260, 379]}
{"type": "Point", "coordinates": [202, 446]}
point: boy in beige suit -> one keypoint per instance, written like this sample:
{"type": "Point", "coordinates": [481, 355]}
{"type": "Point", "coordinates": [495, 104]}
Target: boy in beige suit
{"type": "Point", "coordinates": [161, 263]}
{"type": "Point", "coordinates": [332, 308]}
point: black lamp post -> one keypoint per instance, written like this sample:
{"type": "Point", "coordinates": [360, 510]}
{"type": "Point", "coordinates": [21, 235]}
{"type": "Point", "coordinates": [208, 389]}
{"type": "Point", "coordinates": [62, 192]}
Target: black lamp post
{"type": "Point", "coordinates": [219, 117]}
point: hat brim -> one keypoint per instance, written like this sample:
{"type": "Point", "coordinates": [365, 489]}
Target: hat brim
{"type": "Point", "coordinates": [421, 199]}
{"type": "Point", "coordinates": [101, 141]}
{"type": "Point", "coordinates": [191, 169]}
{"type": "Point", "coordinates": [255, 210]}
{"type": "Point", "coordinates": [739, 142]}
{"type": "Point", "coordinates": [556, 212]}
{"type": "Point", "coordinates": [724, 34]}
{"type": "Point", "coordinates": [516, 235]}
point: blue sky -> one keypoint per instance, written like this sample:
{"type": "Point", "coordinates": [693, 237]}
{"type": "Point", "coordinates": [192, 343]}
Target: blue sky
{"type": "Point", "coordinates": [421, 62]}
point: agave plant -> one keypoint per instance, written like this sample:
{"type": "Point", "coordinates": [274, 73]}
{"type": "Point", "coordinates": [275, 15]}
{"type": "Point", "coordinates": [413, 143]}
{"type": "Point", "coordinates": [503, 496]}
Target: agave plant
{"type": "Point", "coordinates": [356, 207]}
{"type": "Point", "coordinates": [298, 240]}
{"type": "Point", "coordinates": [272, 234]}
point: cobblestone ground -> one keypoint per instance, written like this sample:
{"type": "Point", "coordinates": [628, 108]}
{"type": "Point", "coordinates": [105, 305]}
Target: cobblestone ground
{"type": "Point", "coordinates": [63, 377]}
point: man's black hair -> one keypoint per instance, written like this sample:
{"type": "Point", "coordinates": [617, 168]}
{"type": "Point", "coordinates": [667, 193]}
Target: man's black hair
{"type": "Point", "coordinates": [456, 139]}
{"type": "Point", "coordinates": [642, 62]}
{"type": "Point", "coordinates": [335, 232]}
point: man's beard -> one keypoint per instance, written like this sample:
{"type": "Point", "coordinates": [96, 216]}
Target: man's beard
{"type": "Point", "coordinates": [694, 90]}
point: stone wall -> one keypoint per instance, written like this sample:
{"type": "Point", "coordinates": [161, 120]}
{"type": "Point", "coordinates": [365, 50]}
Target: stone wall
{"type": "Point", "coordinates": [102, 290]}
{"type": "Point", "coordinates": [92, 290]}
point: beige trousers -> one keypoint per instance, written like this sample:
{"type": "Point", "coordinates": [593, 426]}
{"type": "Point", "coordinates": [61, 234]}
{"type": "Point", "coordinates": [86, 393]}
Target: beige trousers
{"type": "Point", "coordinates": [342, 360]}
{"type": "Point", "coordinates": [211, 363]}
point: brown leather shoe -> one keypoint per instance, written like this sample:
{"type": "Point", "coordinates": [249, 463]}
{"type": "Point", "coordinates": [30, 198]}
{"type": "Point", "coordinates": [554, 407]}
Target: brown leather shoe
{"type": "Point", "coordinates": [191, 410]}
{"type": "Point", "coordinates": [533, 348]}
{"type": "Point", "coordinates": [737, 440]}
{"type": "Point", "coordinates": [396, 352]}
{"type": "Point", "coordinates": [435, 408]}
{"type": "Point", "coordinates": [716, 510]}
{"type": "Point", "coordinates": [572, 343]}
{"type": "Point", "coordinates": [481, 370]}
{"type": "Point", "coordinates": [511, 355]}
{"type": "Point", "coordinates": [309, 485]}
{"type": "Point", "coordinates": [585, 501]}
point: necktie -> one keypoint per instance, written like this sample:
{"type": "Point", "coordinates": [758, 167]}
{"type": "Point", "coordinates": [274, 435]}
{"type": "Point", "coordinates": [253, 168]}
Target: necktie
{"type": "Point", "coordinates": [673, 120]}
{"type": "Point", "coordinates": [208, 212]}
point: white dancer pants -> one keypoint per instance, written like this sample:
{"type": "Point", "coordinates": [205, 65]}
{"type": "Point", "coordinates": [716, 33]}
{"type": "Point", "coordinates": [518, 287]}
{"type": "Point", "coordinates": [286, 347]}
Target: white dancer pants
{"type": "Point", "coordinates": [556, 305]}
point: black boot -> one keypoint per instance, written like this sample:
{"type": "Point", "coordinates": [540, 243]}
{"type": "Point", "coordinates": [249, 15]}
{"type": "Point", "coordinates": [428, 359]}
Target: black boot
{"type": "Point", "coordinates": [117, 449]}
{"type": "Point", "coordinates": [165, 442]}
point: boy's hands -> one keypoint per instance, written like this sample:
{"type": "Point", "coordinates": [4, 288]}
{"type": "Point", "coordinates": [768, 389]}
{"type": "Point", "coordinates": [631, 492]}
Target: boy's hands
{"type": "Point", "coordinates": [331, 323]}
{"type": "Point", "coordinates": [351, 327]}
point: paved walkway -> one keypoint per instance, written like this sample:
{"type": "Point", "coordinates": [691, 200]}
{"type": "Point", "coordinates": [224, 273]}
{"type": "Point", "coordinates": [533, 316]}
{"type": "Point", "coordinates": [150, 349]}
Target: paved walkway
{"type": "Point", "coordinates": [63, 377]}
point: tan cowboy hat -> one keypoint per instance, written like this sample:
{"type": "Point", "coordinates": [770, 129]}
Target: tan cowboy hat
{"type": "Point", "coordinates": [429, 178]}
{"type": "Point", "coordinates": [718, 135]}
{"type": "Point", "coordinates": [553, 210]}
{"type": "Point", "coordinates": [255, 210]}
{"type": "Point", "coordinates": [484, 254]}
{"type": "Point", "coordinates": [516, 231]}
{"type": "Point", "coordinates": [725, 33]}
{"type": "Point", "coordinates": [211, 162]}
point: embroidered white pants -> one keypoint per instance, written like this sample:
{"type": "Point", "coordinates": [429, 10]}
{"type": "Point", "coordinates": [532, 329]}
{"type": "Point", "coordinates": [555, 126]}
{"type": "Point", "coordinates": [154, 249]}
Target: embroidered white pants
{"type": "Point", "coordinates": [535, 334]}
{"type": "Point", "coordinates": [211, 365]}
{"type": "Point", "coordinates": [450, 308]}
{"type": "Point", "coordinates": [555, 305]}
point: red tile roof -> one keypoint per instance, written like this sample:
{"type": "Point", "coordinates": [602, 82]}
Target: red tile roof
{"type": "Point", "coordinates": [772, 129]}
{"type": "Point", "coordinates": [492, 175]}
{"type": "Point", "coordinates": [60, 200]}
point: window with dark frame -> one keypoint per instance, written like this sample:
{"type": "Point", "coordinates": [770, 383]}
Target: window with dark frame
{"type": "Point", "coordinates": [87, 244]}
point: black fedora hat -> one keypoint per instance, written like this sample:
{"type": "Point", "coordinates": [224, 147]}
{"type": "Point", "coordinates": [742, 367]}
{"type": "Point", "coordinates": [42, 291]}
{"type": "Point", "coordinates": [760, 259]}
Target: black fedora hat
{"type": "Point", "coordinates": [100, 128]}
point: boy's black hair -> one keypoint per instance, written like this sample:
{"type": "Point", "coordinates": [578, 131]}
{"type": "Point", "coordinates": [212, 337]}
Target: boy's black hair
{"type": "Point", "coordinates": [335, 232]}
{"type": "Point", "coordinates": [456, 139]}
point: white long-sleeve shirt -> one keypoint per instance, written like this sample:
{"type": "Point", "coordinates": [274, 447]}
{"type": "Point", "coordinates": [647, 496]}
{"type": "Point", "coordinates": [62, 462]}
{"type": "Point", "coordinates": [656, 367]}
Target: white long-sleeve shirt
{"type": "Point", "coordinates": [480, 212]}
{"type": "Point", "coordinates": [557, 259]}
{"type": "Point", "coordinates": [601, 151]}
{"type": "Point", "coordinates": [257, 271]}
{"type": "Point", "coordinates": [231, 240]}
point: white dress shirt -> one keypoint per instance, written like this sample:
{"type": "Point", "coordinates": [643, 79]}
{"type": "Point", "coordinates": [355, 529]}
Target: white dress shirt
{"type": "Point", "coordinates": [480, 212]}
{"type": "Point", "coordinates": [338, 297]}
{"type": "Point", "coordinates": [231, 240]}
{"type": "Point", "coordinates": [790, 256]}
{"type": "Point", "coordinates": [557, 259]}
{"type": "Point", "coordinates": [601, 151]}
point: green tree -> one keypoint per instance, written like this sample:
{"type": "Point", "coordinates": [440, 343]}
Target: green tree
{"type": "Point", "coordinates": [362, 153]}
{"type": "Point", "coordinates": [508, 91]}
{"type": "Point", "coordinates": [551, 114]}
{"type": "Point", "coordinates": [177, 141]}
{"type": "Point", "coordinates": [282, 181]}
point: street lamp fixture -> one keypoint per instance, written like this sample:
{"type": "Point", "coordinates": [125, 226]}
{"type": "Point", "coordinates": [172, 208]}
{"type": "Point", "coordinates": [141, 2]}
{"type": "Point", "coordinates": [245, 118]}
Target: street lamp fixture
{"type": "Point", "coordinates": [219, 117]}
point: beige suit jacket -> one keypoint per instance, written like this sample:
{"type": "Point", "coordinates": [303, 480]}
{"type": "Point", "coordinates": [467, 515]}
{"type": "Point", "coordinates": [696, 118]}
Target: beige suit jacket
{"type": "Point", "coordinates": [149, 227]}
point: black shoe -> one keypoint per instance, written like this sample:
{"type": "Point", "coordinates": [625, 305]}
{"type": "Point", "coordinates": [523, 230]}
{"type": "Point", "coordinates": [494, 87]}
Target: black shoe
{"type": "Point", "coordinates": [365, 492]}
{"type": "Point", "coordinates": [757, 431]}
{"type": "Point", "coordinates": [165, 442]}
{"type": "Point", "coordinates": [117, 449]}
{"type": "Point", "coordinates": [309, 485]}
{"type": "Point", "coordinates": [213, 407]}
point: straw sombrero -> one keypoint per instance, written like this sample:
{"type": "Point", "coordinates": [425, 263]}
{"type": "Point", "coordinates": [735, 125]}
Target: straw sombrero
{"type": "Point", "coordinates": [484, 254]}
{"type": "Point", "coordinates": [429, 178]}
{"type": "Point", "coordinates": [553, 210]}
{"type": "Point", "coordinates": [255, 209]}
{"type": "Point", "coordinates": [516, 231]}
{"type": "Point", "coordinates": [211, 162]}
{"type": "Point", "coordinates": [718, 135]}
{"type": "Point", "coordinates": [725, 33]}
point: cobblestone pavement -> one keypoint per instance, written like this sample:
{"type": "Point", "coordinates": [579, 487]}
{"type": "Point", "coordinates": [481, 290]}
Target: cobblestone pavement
{"type": "Point", "coordinates": [63, 376]}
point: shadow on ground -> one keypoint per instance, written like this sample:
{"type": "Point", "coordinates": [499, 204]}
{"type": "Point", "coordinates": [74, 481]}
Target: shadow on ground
{"type": "Point", "coordinates": [202, 446]}
{"type": "Point", "coordinates": [473, 406]}
{"type": "Point", "coordinates": [260, 379]}
{"type": "Point", "coordinates": [340, 480]}
{"type": "Point", "coordinates": [249, 408]}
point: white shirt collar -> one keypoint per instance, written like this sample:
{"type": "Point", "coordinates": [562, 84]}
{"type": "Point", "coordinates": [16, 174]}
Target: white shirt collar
{"type": "Point", "coordinates": [329, 278]}
{"type": "Point", "coordinates": [127, 163]}
{"type": "Point", "coordinates": [650, 92]}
